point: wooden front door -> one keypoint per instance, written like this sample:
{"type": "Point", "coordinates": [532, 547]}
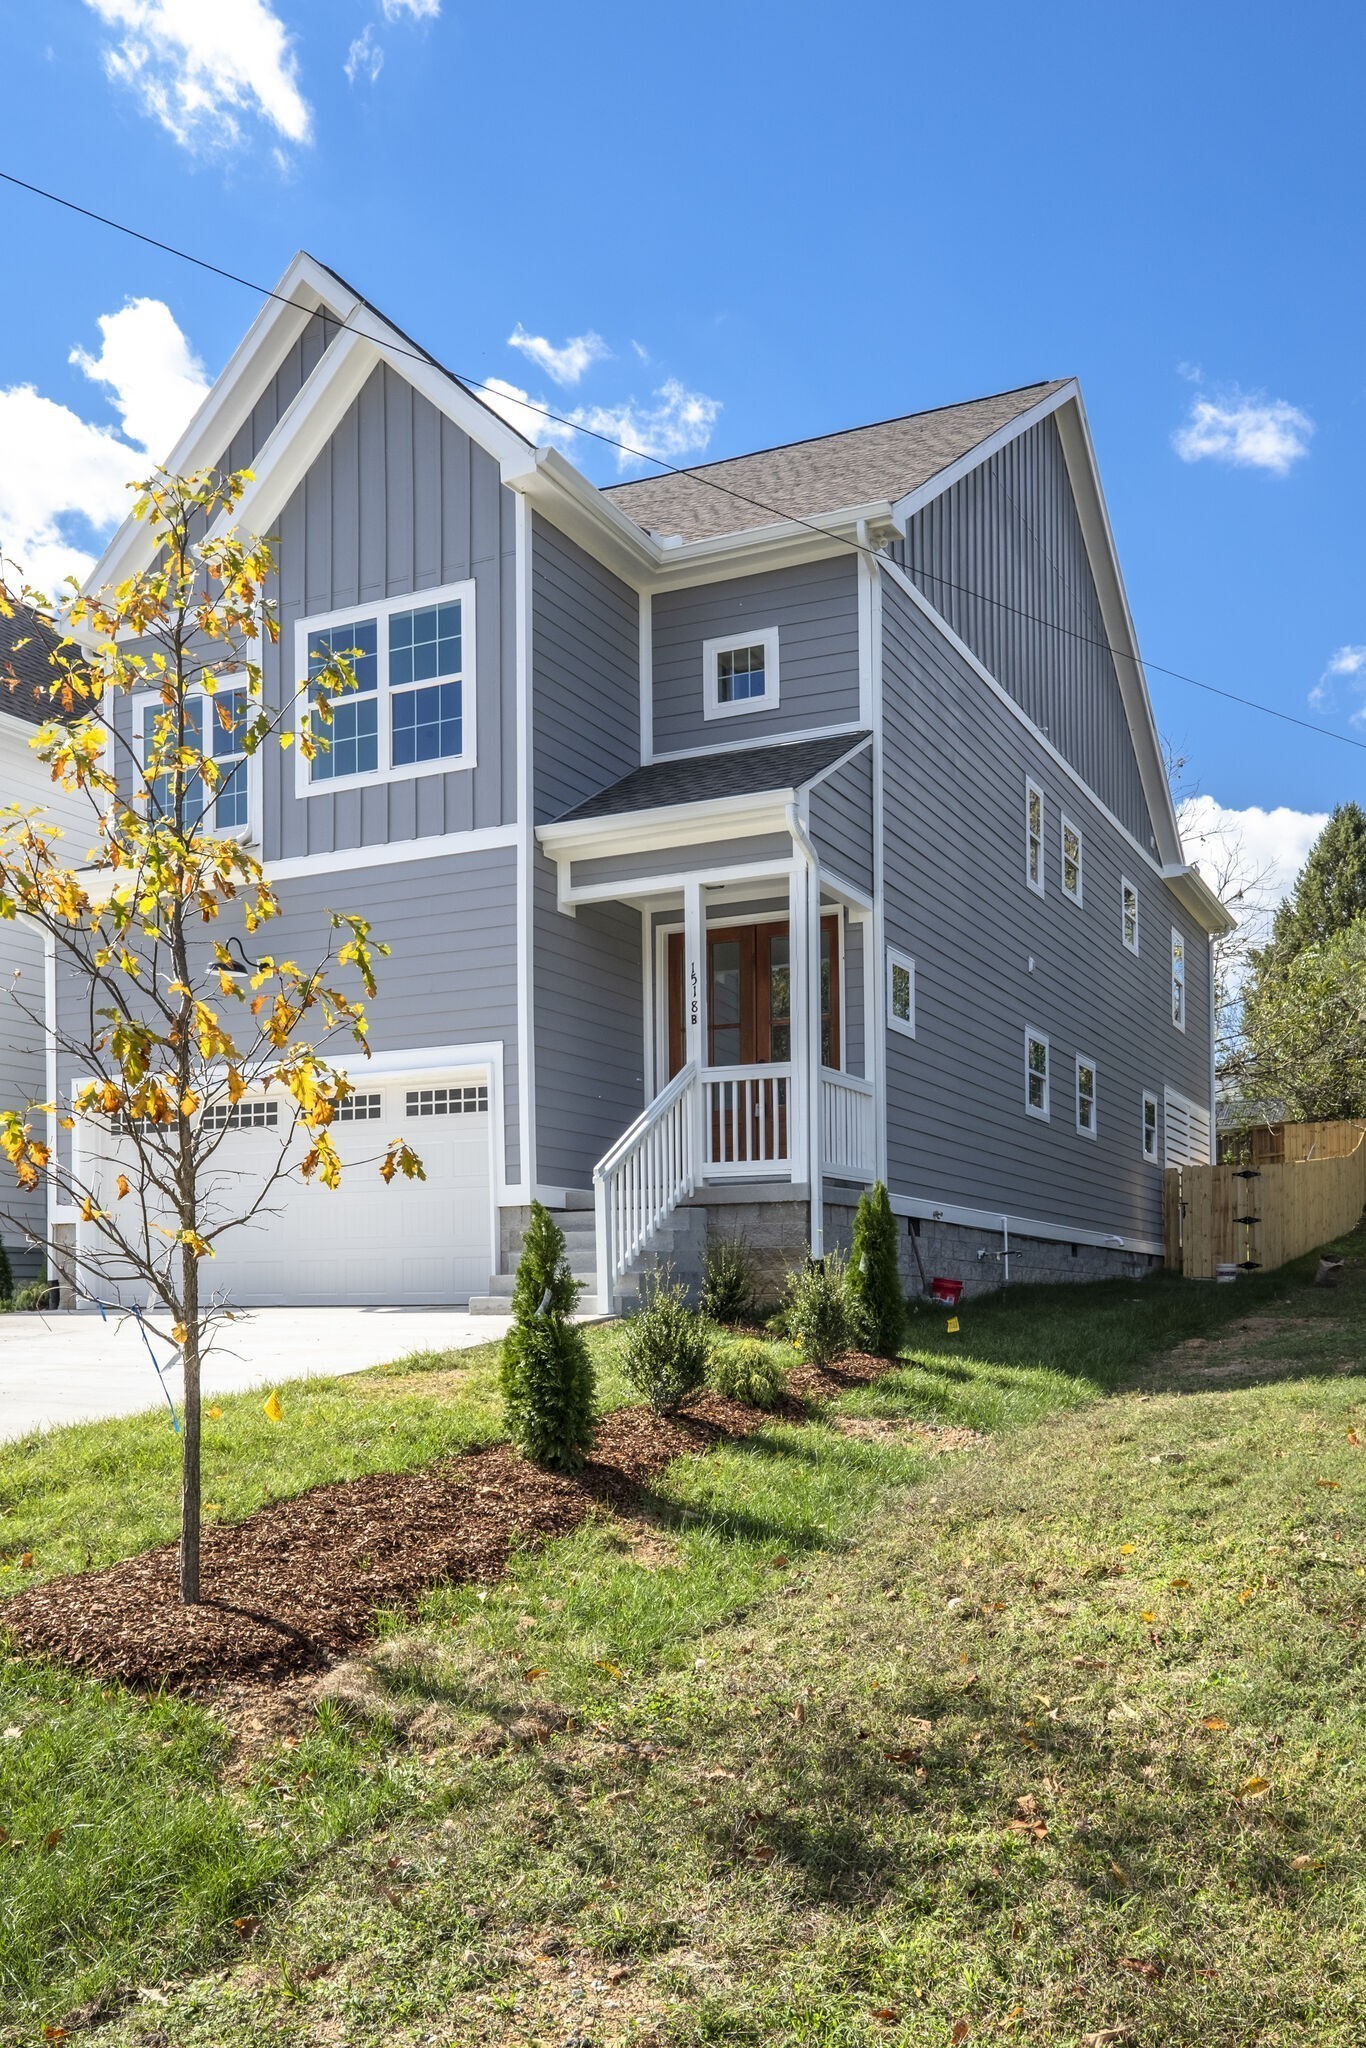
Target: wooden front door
{"type": "Point", "coordinates": [749, 996]}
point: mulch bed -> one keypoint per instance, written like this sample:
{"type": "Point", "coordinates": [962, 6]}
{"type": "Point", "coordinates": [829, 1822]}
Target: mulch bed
{"type": "Point", "coordinates": [297, 1585]}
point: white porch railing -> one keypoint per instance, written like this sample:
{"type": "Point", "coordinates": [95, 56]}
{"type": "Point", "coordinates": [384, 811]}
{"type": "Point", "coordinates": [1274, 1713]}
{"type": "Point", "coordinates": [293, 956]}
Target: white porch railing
{"type": "Point", "coordinates": [642, 1180]}
{"type": "Point", "coordinates": [848, 1133]}
{"type": "Point", "coordinates": [747, 1115]}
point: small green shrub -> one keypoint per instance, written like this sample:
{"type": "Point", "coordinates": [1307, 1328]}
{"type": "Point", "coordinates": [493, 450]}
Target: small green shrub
{"type": "Point", "coordinates": [818, 1308]}
{"type": "Point", "coordinates": [730, 1280]}
{"type": "Point", "coordinates": [33, 1294]}
{"type": "Point", "coordinates": [667, 1347]}
{"type": "Point", "coordinates": [546, 1367]}
{"type": "Point", "coordinates": [543, 1264]}
{"type": "Point", "coordinates": [875, 1275]}
{"type": "Point", "coordinates": [748, 1372]}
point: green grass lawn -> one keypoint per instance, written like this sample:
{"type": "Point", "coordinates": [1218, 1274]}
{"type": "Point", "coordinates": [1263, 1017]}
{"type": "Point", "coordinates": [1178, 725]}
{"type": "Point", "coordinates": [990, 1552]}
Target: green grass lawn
{"type": "Point", "coordinates": [855, 1743]}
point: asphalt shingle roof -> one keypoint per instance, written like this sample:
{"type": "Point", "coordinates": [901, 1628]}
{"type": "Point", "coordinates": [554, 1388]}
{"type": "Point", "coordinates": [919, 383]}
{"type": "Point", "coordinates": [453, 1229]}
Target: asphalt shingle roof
{"type": "Point", "coordinates": [25, 670]}
{"type": "Point", "coordinates": [861, 466]}
{"type": "Point", "coordinates": [740, 771]}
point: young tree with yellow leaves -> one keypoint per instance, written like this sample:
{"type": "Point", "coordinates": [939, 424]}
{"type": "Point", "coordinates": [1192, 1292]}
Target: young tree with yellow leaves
{"type": "Point", "coordinates": [165, 1024]}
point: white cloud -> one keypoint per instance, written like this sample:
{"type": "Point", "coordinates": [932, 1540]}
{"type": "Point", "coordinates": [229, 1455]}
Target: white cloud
{"type": "Point", "coordinates": [415, 10]}
{"type": "Point", "coordinates": [679, 424]}
{"type": "Point", "coordinates": [57, 469]}
{"type": "Point", "coordinates": [565, 364]}
{"type": "Point", "coordinates": [1344, 664]}
{"type": "Point", "coordinates": [365, 58]}
{"type": "Point", "coordinates": [201, 67]}
{"type": "Point", "coordinates": [1246, 430]}
{"type": "Point", "coordinates": [1258, 852]}
{"type": "Point", "coordinates": [519, 409]}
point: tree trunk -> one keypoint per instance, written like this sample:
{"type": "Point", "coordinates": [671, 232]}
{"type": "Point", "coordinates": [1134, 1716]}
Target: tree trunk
{"type": "Point", "coordinates": [189, 1470]}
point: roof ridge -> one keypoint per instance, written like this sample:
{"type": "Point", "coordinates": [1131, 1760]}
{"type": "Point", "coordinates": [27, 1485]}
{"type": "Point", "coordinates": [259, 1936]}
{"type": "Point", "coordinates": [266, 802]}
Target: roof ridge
{"type": "Point", "coordinates": [840, 433]}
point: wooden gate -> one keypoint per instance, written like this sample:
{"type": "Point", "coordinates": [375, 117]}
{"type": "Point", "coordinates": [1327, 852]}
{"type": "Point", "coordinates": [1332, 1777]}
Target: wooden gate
{"type": "Point", "coordinates": [1260, 1217]}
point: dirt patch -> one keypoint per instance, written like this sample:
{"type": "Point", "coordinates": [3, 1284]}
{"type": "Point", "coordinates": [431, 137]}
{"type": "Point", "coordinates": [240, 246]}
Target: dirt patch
{"type": "Point", "coordinates": [1247, 1353]}
{"type": "Point", "coordinates": [828, 1382]}
{"type": "Point", "coordinates": [935, 1436]}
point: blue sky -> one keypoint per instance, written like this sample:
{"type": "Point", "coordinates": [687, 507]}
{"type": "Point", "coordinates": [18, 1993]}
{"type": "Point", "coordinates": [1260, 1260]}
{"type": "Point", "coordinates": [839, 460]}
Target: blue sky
{"type": "Point", "coordinates": [785, 220]}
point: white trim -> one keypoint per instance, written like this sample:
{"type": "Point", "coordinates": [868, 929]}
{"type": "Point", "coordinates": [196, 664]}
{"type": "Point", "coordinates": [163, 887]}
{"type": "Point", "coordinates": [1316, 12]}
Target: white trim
{"type": "Point", "coordinates": [1066, 825]}
{"type": "Point", "coordinates": [837, 730]}
{"type": "Point", "coordinates": [905, 1025]}
{"type": "Point", "coordinates": [1083, 1130]}
{"type": "Point", "coordinates": [1038, 883]}
{"type": "Point", "coordinates": [643, 888]}
{"type": "Point", "coordinates": [1127, 890]}
{"type": "Point", "coordinates": [1022, 1226]}
{"type": "Point", "coordinates": [300, 434]}
{"type": "Point", "coordinates": [867, 681]}
{"type": "Point", "coordinates": [1153, 1158]}
{"type": "Point", "coordinates": [526, 853]}
{"type": "Point", "coordinates": [1033, 1036]}
{"type": "Point", "coordinates": [381, 611]}
{"type": "Point", "coordinates": [875, 988]}
{"type": "Point", "coordinates": [731, 643]}
{"type": "Point", "coordinates": [646, 609]}
{"type": "Point", "coordinates": [982, 451]}
{"type": "Point", "coordinates": [1178, 982]}
{"type": "Point", "coordinates": [392, 852]}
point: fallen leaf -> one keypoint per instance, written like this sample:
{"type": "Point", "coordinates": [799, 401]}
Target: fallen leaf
{"type": "Point", "coordinates": [52, 1838]}
{"type": "Point", "coordinates": [1332, 1485]}
{"type": "Point", "coordinates": [1247, 1593]}
{"type": "Point", "coordinates": [1147, 1615]}
{"type": "Point", "coordinates": [536, 1671]}
{"type": "Point", "coordinates": [1306, 1863]}
{"type": "Point", "coordinates": [215, 1413]}
{"type": "Point", "coordinates": [247, 1925]}
{"type": "Point", "coordinates": [612, 1670]}
{"type": "Point", "coordinates": [1150, 1972]}
{"type": "Point", "coordinates": [1213, 1721]}
{"type": "Point", "coordinates": [26, 1561]}
{"type": "Point", "coordinates": [1034, 1829]}
{"type": "Point", "coordinates": [1255, 1787]}
{"type": "Point", "coordinates": [56, 2033]}
{"type": "Point", "coordinates": [960, 2031]}
{"type": "Point", "coordinates": [272, 1410]}
{"type": "Point", "coordinates": [1178, 1585]}
{"type": "Point", "coordinates": [1354, 1438]}
{"type": "Point", "coordinates": [888, 2014]}
{"type": "Point", "coordinates": [780, 1561]}
{"type": "Point", "coordinates": [1127, 1549]}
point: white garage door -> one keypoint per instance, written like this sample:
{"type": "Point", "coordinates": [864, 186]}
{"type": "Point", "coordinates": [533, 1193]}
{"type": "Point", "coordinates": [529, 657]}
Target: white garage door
{"type": "Point", "coordinates": [418, 1243]}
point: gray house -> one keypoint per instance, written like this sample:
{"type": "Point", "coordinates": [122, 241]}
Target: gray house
{"type": "Point", "coordinates": [740, 836]}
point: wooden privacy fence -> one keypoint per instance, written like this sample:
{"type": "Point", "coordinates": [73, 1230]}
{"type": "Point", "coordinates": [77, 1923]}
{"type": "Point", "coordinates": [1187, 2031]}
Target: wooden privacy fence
{"type": "Point", "coordinates": [1259, 1217]}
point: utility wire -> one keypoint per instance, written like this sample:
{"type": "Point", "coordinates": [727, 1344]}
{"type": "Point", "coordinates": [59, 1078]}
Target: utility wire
{"type": "Point", "coordinates": [693, 476]}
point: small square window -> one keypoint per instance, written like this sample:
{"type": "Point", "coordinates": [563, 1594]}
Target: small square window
{"type": "Point", "coordinates": [1178, 980]}
{"type": "Point", "coordinates": [901, 992]}
{"type": "Point", "coordinates": [1034, 837]}
{"type": "Point", "coordinates": [1086, 1096]}
{"type": "Point", "coordinates": [1128, 914]}
{"type": "Point", "coordinates": [1071, 860]}
{"type": "Point", "coordinates": [1036, 1074]}
{"type": "Point", "coordinates": [740, 673]}
{"type": "Point", "coordinates": [1150, 1127]}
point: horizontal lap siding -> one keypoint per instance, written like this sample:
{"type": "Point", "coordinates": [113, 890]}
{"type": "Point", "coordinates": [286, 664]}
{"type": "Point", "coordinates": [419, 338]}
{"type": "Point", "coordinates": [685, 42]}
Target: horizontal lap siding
{"type": "Point", "coordinates": [842, 821]}
{"type": "Point", "coordinates": [814, 607]}
{"type": "Point", "coordinates": [588, 1016]}
{"type": "Point", "coordinates": [23, 1080]}
{"type": "Point", "coordinates": [956, 899]}
{"type": "Point", "coordinates": [399, 501]}
{"type": "Point", "coordinates": [1001, 556]}
{"type": "Point", "coordinates": [755, 849]}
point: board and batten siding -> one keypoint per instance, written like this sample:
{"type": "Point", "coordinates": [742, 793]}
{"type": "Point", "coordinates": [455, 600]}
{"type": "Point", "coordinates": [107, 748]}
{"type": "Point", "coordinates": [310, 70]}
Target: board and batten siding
{"type": "Point", "coordinates": [1001, 557]}
{"type": "Point", "coordinates": [399, 501]}
{"type": "Point", "coordinates": [283, 388]}
{"type": "Point", "coordinates": [841, 822]}
{"type": "Point", "coordinates": [588, 1016]}
{"type": "Point", "coordinates": [815, 609]}
{"type": "Point", "coordinates": [956, 900]}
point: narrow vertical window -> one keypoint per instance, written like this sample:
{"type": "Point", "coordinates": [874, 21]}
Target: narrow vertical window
{"type": "Point", "coordinates": [1036, 1073]}
{"type": "Point", "coordinates": [1034, 836]}
{"type": "Point", "coordinates": [1178, 980]}
{"type": "Point", "coordinates": [1129, 914]}
{"type": "Point", "coordinates": [901, 992]}
{"type": "Point", "coordinates": [1071, 860]}
{"type": "Point", "coordinates": [1150, 1126]}
{"type": "Point", "coordinates": [1086, 1096]}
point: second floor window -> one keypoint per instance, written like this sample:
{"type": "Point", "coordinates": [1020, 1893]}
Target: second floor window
{"type": "Point", "coordinates": [1036, 1074]}
{"type": "Point", "coordinates": [410, 710]}
{"type": "Point", "coordinates": [1034, 836]}
{"type": "Point", "coordinates": [213, 726]}
{"type": "Point", "coordinates": [1086, 1096]}
{"type": "Point", "coordinates": [740, 673]}
{"type": "Point", "coordinates": [1178, 980]}
{"type": "Point", "coordinates": [1071, 860]}
{"type": "Point", "coordinates": [1128, 915]}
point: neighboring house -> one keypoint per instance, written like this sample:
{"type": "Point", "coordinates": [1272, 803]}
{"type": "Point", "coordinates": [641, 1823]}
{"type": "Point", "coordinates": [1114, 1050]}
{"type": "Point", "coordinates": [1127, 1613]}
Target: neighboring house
{"type": "Point", "coordinates": [26, 677]}
{"type": "Point", "coordinates": [739, 836]}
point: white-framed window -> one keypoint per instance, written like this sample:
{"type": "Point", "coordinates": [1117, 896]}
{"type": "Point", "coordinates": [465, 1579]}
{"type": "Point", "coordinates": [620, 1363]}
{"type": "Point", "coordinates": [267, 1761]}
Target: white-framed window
{"type": "Point", "coordinates": [1034, 837]}
{"type": "Point", "coordinates": [413, 708]}
{"type": "Point", "coordinates": [1150, 1142]}
{"type": "Point", "coordinates": [900, 991]}
{"type": "Point", "coordinates": [1036, 1072]}
{"type": "Point", "coordinates": [1071, 859]}
{"type": "Point", "coordinates": [214, 726]}
{"type": "Point", "coordinates": [740, 673]}
{"type": "Point", "coordinates": [1086, 1096]}
{"type": "Point", "coordinates": [1178, 979]}
{"type": "Point", "coordinates": [1128, 913]}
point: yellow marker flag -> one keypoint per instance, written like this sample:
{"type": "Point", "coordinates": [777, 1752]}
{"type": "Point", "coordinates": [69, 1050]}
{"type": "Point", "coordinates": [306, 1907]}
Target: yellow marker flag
{"type": "Point", "coordinates": [953, 1326]}
{"type": "Point", "coordinates": [272, 1410]}
{"type": "Point", "coordinates": [215, 1414]}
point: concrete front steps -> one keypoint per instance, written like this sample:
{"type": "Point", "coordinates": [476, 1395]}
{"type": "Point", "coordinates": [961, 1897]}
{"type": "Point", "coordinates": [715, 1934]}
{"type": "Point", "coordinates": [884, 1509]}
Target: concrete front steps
{"type": "Point", "coordinates": [678, 1243]}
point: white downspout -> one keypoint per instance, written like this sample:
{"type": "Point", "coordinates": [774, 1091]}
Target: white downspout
{"type": "Point", "coordinates": [811, 1085]}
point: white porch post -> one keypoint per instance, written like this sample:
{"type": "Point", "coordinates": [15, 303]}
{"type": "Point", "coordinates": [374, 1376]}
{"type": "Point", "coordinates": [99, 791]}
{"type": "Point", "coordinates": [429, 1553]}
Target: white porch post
{"type": "Point", "coordinates": [815, 1119]}
{"type": "Point", "coordinates": [798, 945]}
{"type": "Point", "coordinates": [695, 1007]}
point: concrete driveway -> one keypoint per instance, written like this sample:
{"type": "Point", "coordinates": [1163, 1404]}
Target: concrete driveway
{"type": "Point", "coordinates": [76, 1368]}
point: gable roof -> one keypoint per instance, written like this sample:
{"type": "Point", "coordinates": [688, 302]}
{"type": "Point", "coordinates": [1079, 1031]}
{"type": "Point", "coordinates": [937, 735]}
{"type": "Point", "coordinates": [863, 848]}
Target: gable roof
{"type": "Point", "coordinates": [26, 672]}
{"type": "Point", "coordinates": [736, 771]}
{"type": "Point", "coordinates": [804, 479]}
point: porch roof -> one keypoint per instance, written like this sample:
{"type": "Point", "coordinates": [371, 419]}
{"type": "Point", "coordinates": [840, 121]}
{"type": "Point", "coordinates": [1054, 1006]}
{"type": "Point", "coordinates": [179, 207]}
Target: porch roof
{"type": "Point", "coordinates": [730, 772]}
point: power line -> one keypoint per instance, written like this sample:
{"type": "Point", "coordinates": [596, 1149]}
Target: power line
{"type": "Point", "coordinates": [692, 475]}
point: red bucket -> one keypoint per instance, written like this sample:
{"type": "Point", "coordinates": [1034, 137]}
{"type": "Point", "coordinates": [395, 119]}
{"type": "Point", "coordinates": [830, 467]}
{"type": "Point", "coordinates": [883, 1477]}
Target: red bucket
{"type": "Point", "coordinates": [947, 1291]}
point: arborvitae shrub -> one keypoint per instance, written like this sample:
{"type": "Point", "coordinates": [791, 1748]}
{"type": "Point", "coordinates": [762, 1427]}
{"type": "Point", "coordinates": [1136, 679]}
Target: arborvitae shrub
{"type": "Point", "coordinates": [748, 1371]}
{"type": "Point", "coordinates": [875, 1275]}
{"type": "Point", "coordinates": [546, 1367]}
{"type": "Point", "coordinates": [667, 1347]}
{"type": "Point", "coordinates": [818, 1308]}
{"type": "Point", "coordinates": [730, 1280]}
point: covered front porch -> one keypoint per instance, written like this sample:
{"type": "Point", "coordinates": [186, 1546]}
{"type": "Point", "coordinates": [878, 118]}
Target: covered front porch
{"type": "Point", "coordinates": [760, 996]}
